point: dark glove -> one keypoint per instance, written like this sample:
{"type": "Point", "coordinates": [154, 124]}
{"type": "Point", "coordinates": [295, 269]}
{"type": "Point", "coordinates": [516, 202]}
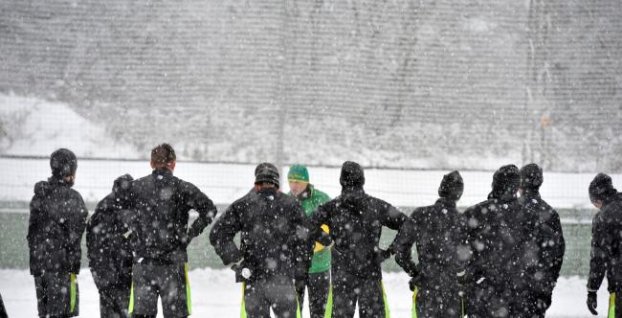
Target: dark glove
{"type": "Point", "coordinates": [242, 273]}
{"type": "Point", "coordinates": [325, 239]}
{"type": "Point", "coordinates": [414, 282]}
{"type": "Point", "coordinates": [300, 283]}
{"type": "Point", "coordinates": [592, 302]}
{"type": "Point", "coordinates": [382, 255]}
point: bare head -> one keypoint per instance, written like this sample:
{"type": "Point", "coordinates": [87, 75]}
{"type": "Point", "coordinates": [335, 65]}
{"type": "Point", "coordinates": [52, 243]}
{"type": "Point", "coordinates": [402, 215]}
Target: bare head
{"type": "Point", "coordinates": [163, 157]}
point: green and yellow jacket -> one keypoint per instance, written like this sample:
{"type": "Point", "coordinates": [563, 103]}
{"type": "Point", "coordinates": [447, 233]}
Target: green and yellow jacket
{"type": "Point", "coordinates": [310, 199]}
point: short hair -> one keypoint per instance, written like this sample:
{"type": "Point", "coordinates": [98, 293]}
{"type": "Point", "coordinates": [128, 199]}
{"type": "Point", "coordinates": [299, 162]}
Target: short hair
{"type": "Point", "coordinates": [162, 155]}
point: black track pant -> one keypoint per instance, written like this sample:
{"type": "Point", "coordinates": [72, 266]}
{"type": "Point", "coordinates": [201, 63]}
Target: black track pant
{"type": "Point", "coordinates": [348, 289]}
{"type": "Point", "coordinates": [486, 301]}
{"type": "Point", "coordinates": [430, 303]}
{"type": "Point", "coordinates": [276, 293]}
{"type": "Point", "coordinates": [57, 295]}
{"type": "Point", "coordinates": [168, 281]}
{"type": "Point", "coordinates": [114, 302]}
{"type": "Point", "coordinates": [530, 304]}
{"type": "Point", "coordinates": [318, 285]}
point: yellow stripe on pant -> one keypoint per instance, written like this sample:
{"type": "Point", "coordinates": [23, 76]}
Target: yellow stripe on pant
{"type": "Point", "coordinates": [130, 308]}
{"type": "Point", "coordinates": [612, 305]}
{"type": "Point", "coordinates": [328, 312]}
{"type": "Point", "coordinates": [73, 292]}
{"type": "Point", "coordinates": [243, 305]}
{"type": "Point", "coordinates": [387, 313]}
{"type": "Point", "coordinates": [414, 308]}
{"type": "Point", "coordinates": [188, 293]}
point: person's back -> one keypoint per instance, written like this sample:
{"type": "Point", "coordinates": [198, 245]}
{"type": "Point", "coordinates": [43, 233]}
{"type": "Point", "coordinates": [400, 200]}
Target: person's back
{"type": "Point", "coordinates": [161, 203]}
{"type": "Point", "coordinates": [274, 246]}
{"type": "Point", "coordinates": [109, 252]}
{"type": "Point", "coordinates": [441, 250]}
{"type": "Point", "coordinates": [606, 252]}
{"type": "Point", "coordinates": [494, 232]}
{"type": "Point", "coordinates": [355, 220]}
{"type": "Point", "coordinates": [57, 222]}
{"type": "Point", "coordinates": [542, 253]}
{"type": "Point", "coordinates": [267, 221]}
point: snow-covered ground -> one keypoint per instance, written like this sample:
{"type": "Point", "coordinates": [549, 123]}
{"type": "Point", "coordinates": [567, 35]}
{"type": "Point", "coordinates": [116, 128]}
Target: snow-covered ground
{"type": "Point", "coordinates": [214, 294]}
{"type": "Point", "coordinates": [226, 182]}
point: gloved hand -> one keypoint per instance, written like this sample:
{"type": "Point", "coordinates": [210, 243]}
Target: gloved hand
{"type": "Point", "coordinates": [300, 283]}
{"type": "Point", "coordinates": [414, 282]}
{"type": "Point", "coordinates": [325, 239]}
{"type": "Point", "coordinates": [241, 272]}
{"type": "Point", "coordinates": [382, 255]}
{"type": "Point", "coordinates": [592, 302]}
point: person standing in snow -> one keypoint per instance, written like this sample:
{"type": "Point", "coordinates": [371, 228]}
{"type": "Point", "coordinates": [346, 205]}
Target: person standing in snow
{"type": "Point", "coordinates": [274, 246]}
{"type": "Point", "coordinates": [161, 203]}
{"type": "Point", "coordinates": [57, 222]}
{"type": "Point", "coordinates": [442, 253]}
{"type": "Point", "coordinates": [606, 254]}
{"type": "Point", "coordinates": [495, 234]}
{"type": "Point", "coordinates": [355, 220]}
{"type": "Point", "coordinates": [318, 280]}
{"type": "Point", "coordinates": [542, 254]}
{"type": "Point", "coordinates": [109, 252]}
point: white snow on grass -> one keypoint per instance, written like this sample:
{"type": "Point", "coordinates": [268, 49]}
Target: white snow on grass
{"type": "Point", "coordinates": [224, 183]}
{"type": "Point", "coordinates": [214, 294]}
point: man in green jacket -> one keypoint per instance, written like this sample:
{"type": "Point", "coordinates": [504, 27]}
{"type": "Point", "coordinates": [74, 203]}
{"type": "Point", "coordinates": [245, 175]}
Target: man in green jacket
{"type": "Point", "coordinates": [318, 280]}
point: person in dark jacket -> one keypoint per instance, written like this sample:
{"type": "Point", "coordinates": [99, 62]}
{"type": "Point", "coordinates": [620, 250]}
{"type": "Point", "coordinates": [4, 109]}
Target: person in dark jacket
{"type": "Point", "coordinates": [542, 254]}
{"type": "Point", "coordinates": [355, 220]}
{"type": "Point", "coordinates": [606, 254]}
{"type": "Point", "coordinates": [57, 222]}
{"type": "Point", "coordinates": [274, 246]}
{"type": "Point", "coordinates": [109, 252]}
{"type": "Point", "coordinates": [160, 235]}
{"type": "Point", "coordinates": [495, 233]}
{"type": "Point", "coordinates": [442, 253]}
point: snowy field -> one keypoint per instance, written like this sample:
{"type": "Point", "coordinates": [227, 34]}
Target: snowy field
{"type": "Point", "coordinates": [214, 294]}
{"type": "Point", "coordinates": [224, 183]}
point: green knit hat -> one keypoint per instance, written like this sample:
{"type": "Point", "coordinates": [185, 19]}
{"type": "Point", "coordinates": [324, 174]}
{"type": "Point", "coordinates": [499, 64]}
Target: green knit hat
{"type": "Point", "coordinates": [298, 173]}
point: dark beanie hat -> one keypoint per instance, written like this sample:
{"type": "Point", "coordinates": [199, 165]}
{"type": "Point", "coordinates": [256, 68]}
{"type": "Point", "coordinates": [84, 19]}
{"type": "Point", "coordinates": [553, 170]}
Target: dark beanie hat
{"type": "Point", "coordinates": [601, 188]}
{"type": "Point", "coordinates": [505, 182]}
{"type": "Point", "coordinates": [451, 186]}
{"type": "Point", "coordinates": [63, 163]}
{"type": "Point", "coordinates": [351, 175]}
{"type": "Point", "coordinates": [531, 176]}
{"type": "Point", "coordinates": [267, 172]}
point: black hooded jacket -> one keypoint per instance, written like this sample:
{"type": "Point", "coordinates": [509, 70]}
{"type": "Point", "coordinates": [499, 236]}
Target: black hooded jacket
{"type": "Point", "coordinates": [356, 220]}
{"type": "Point", "coordinates": [274, 239]}
{"type": "Point", "coordinates": [440, 238]}
{"type": "Point", "coordinates": [108, 247]}
{"type": "Point", "coordinates": [57, 222]}
{"type": "Point", "coordinates": [161, 203]}
{"type": "Point", "coordinates": [496, 231]}
{"type": "Point", "coordinates": [543, 252]}
{"type": "Point", "coordinates": [606, 253]}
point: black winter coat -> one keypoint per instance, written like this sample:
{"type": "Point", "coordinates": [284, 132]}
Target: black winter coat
{"type": "Point", "coordinates": [442, 250]}
{"type": "Point", "coordinates": [161, 203]}
{"type": "Point", "coordinates": [274, 239]}
{"type": "Point", "coordinates": [108, 246]}
{"type": "Point", "coordinates": [496, 231]}
{"type": "Point", "coordinates": [57, 222]}
{"type": "Point", "coordinates": [606, 254]}
{"type": "Point", "coordinates": [543, 252]}
{"type": "Point", "coordinates": [355, 220]}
